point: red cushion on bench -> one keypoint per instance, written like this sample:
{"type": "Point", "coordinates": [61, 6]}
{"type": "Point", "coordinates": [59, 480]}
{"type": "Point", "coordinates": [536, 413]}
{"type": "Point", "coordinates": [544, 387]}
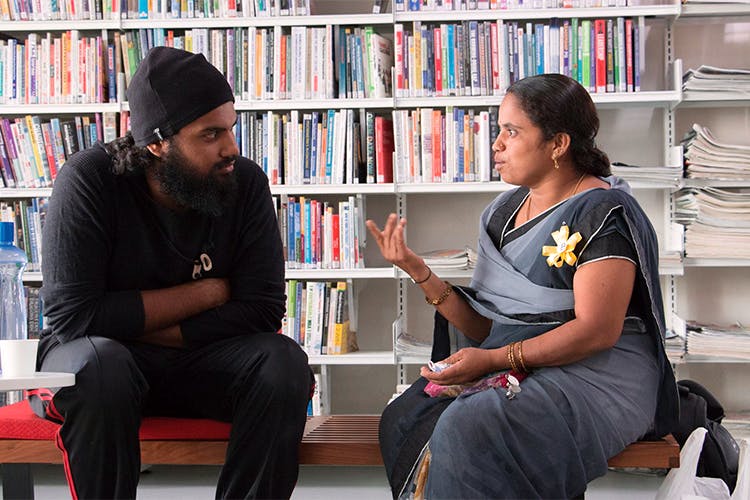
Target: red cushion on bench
{"type": "Point", "coordinates": [17, 421]}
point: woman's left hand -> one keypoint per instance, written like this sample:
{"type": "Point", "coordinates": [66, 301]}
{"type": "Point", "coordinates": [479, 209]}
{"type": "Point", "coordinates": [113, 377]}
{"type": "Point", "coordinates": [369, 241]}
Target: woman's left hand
{"type": "Point", "coordinates": [467, 365]}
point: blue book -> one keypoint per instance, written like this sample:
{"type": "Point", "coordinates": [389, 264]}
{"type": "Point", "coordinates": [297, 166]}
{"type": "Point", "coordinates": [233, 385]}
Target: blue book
{"type": "Point", "coordinates": [142, 9]}
{"type": "Point", "coordinates": [111, 76]}
{"type": "Point", "coordinates": [308, 234]}
{"type": "Point", "coordinates": [341, 60]}
{"type": "Point", "coordinates": [314, 160]}
{"type": "Point", "coordinates": [264, 138]}
{"type": "Point", "coordinates": [428, 70]}
{"type": "Point", "coordinates": [330, 124]}
{"type": "Point", "coordinates": [359, 59]}
{"type": "Point", "coordinates": [451, 43]}
{"type": "Point", "coordinates": [291, 248]}
{"type": "Point", "coordinates": [306, 145]}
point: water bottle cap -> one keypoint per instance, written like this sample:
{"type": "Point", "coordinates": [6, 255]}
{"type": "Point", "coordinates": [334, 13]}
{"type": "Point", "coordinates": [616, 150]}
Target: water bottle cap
{"type": "Point", "coordinates": [6, 233]}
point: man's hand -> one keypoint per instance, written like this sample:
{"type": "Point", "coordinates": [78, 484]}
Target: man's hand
{"type": "Point", "coordinates": [168, 307]}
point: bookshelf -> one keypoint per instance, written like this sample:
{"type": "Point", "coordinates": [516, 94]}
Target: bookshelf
{"type": "Point", "coordinates": [712, 289]}
{"type": "Point", "coordinates": [446, 214]}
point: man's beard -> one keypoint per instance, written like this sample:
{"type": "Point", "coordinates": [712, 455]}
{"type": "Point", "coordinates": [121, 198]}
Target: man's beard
{"type": "Point", "coordinates": [210, 194]}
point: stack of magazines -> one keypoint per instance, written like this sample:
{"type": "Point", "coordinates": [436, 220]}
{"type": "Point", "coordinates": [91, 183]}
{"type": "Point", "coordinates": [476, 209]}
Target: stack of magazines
{"type": "Point", "coordinates": [451, 258]}
{"type": "Point", "coordinates": [408, 345]}
{"type": "Point", "coordinates": [712, 79]}
{"type": "Point", "coordinates": [708, 158]}
{"type": "Point", "coordinates": [731, 341]}
{"type": "Point", "coordinates": [674, 345]}
{"type": "Point", "coordinates": [717, 222]}
{"type": "Point", "coordinates": [648, 175]}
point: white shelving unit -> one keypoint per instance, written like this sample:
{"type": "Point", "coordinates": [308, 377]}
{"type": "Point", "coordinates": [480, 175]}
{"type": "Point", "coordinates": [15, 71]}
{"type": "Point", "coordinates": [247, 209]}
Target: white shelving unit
{"type": "Point", "coordinates": [446, 215]}
{"type": "Point", "coordinates": [714, 290]}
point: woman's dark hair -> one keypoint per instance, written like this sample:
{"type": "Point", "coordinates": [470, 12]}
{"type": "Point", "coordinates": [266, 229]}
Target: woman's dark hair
{"type": "Point", "coordinates": [126, 156]}
{"type": "Point", "coordinates": [556, 103]}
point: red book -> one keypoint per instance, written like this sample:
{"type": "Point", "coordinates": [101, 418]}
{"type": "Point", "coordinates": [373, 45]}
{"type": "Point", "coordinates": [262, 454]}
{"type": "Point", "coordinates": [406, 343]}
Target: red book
{"type": "Point", "coordinates": [48, 149]}
{"type": "Point", "coordinates": [629, 53]}
{"type": "Point", "coordinates": [384, 149]}
{"type": "Point", "coordinates": [600, 50]}
{"type": "Point", "coordinates": [438, 44]}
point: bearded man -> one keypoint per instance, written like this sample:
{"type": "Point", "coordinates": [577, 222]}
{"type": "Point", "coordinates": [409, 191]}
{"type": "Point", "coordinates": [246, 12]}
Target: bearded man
{"type": "Point", "coordinates": [164, 290]}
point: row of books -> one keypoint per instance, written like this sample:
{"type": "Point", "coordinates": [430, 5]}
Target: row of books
{"type": "Point", "coordinates": [173, 9]}
{"type": "Point", "coordinates": [295, 62]}
{"type": "Point", "coordinates": [442, 5]}
{"type": "Point", "coordinates": [436, 146]}
{"type": "Point", "coordinates": [28, 218]}
{"type": "Point", "coordinates": [32, 151]}
{"type": "Point", "coordinates": [717, 222]}
{"type": "Point", "coordinates": [322, 234]}
{"type": "Point", "coordinates": [69, 10]}
{"type": "Point", "coordinates": [484, 57]}
{"type": "Point", "coordinates": [64, 68]}
{"type": "Point", "coordinates": [706, 157]}
{"type": "Point", "coordinates": [342, 147]}
{"type": "Point", "coordinates": [318, 316]}
{"type": "Point", "coordinates": [332, 147]}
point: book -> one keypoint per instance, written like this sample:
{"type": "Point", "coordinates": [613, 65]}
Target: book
{"type": "Point", "coordinates": [600, 52]}
{"type": "Point", "coordinates": [381, 63]}
{"type": "Point", "coordinates": [384, 149]}
{"type": "Point", "coordinates": [70, 138]}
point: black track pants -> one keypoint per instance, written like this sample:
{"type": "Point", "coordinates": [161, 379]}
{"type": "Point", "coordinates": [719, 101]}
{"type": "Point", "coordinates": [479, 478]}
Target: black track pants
{"type": "Point", "coordinates": [260, 383]}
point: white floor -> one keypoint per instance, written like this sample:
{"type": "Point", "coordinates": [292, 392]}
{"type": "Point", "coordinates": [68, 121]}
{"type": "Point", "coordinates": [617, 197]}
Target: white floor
{"type": "Point", "coordinates": [315, 483]}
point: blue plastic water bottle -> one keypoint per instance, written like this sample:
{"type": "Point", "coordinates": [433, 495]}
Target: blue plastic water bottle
{"type": "Point", "coordinates": [12, 299]}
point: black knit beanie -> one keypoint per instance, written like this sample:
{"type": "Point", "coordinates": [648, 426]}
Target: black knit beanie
{"type": "Point", "coordinates": [170, 89]}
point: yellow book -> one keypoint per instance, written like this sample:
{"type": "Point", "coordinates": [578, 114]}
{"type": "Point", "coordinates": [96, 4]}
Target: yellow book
{"type": "Point", "coordinates": [35, 139]}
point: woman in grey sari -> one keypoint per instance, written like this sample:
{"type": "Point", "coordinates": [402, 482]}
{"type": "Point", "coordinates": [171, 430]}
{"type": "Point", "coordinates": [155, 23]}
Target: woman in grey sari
{"type": "Point", "coordinates": [565, 295]}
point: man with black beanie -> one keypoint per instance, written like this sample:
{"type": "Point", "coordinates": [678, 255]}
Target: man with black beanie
{"type": "Point", "coordinates": [164, 290]}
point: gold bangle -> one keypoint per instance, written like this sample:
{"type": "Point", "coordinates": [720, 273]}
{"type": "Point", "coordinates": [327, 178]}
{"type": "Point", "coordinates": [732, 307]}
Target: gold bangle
{"type": "Point", "coordinates": [512, 357]}
{"type": "Point", "coordinates": [436, 302]}
{"type": "Point", "coordinates": [520, 357]}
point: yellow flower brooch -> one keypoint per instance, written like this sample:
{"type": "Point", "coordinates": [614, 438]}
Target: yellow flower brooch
{"type": "Point", "coordinates": [564, 249]}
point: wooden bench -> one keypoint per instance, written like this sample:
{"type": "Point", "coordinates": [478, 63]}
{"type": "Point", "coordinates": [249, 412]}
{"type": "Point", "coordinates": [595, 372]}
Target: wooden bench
{"type": "Point", "coordinates": [327, 440]}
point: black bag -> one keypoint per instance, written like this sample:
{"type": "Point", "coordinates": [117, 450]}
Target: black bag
{"type": "Point", "coordinates": [699, 408]}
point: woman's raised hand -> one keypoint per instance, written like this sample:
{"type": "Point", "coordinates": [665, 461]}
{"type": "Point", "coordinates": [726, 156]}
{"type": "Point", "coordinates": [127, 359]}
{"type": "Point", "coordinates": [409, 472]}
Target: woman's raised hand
{"type": "Point", "coordinates": [391, 243]}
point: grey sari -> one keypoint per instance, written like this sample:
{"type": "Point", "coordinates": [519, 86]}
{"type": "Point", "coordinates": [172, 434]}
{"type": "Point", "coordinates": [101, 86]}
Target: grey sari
{"type": "Point", "coordinates": [557, 434]}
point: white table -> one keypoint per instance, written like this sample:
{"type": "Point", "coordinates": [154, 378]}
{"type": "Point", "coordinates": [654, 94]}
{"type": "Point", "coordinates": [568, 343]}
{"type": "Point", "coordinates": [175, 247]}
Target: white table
{"type": "Point", "coordinates": [17, 479]}
{"type": "Point", "coordinates": [38, 379]}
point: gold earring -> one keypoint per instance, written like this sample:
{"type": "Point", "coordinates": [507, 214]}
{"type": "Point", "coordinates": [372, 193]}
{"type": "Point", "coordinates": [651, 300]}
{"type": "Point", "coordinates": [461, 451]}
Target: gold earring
{"type": "Point", "coordinates": [557, 165]}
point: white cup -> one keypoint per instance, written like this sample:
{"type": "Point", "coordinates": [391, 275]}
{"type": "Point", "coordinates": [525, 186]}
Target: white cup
{"type": "Point", "coordinates": [18, 357]}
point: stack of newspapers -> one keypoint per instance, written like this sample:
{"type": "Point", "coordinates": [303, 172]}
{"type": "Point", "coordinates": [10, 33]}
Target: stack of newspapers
{"type": "Point", "coordinates": [450, 258]}
{"type": "Point", "coordinates": [713, 79]}
{"type": "Point", "coordinates": [408, 345]}
{"type": "Point", "coordinates": [674, 345]}
{"type": "Point", "coordinates": [732, 341]}
{"type": "Point", "coordinates": [708, 158]}
{"type": "Point", "coordinates": [717, 222]}
{"type": "Point", "coordinates": [648, 175]}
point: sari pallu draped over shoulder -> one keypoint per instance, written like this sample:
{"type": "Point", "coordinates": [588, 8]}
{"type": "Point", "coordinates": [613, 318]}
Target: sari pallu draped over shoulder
{"type": "Point", "coordinates": [507, 283]}
{"type": "Point", "coordinates": [559, 432]}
